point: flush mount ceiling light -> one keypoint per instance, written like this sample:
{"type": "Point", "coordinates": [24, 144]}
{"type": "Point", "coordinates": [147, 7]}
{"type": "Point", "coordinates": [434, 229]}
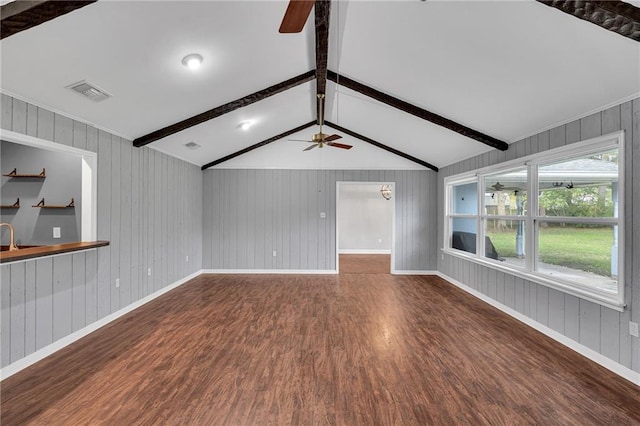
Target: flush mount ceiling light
{"type": "Point", "coordinates": [245, 125]}
{"type": "Point", "coordinates": [192, 61]}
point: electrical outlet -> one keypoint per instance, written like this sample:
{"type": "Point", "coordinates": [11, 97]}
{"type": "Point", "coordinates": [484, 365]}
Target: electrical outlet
{"type": "Point", "coordinates": [633, 328]}
{"type": "Point", "coordinates": [275, 253]}
{"type": "Point", "coordinates": [149, 272]}
{"type": "Point", "coordinates": [117, 282]}
{"type": "Point", "coordinates": [56, 232]}
{"type": "Point", "coordinates": [186, 259]}
{"type": "Point", "coordinates": [323, 215]}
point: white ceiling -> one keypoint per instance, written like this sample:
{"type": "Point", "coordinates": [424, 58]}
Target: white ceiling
{"type": "Point", "coordinates": [505, 68]}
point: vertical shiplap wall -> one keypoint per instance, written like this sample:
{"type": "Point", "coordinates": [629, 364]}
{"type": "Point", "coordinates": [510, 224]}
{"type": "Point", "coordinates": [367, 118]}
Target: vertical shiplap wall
{"type": "Point", "coordinates": [250, 213]}
{"type": "Point", "coordinates": [149, 208]}
{"type": "Point", "coordinates": [601, 329]}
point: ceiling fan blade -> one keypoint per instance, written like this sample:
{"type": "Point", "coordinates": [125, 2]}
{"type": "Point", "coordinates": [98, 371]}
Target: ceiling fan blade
{"type": "Point", "coordinates": [311, 147]}
{"type": "Point", "coordinates": [296, 15]}
{"type": "Point", "coordinates": [339, 145]}
{"type": "Point", "coordinates": [332, 138]}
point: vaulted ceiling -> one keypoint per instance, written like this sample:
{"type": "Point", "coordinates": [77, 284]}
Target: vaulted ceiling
{"type": "Point", "coordinates": [410, 84]}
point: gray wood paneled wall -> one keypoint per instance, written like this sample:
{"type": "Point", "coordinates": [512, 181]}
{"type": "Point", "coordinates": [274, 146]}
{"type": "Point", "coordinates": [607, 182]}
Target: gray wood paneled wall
{"type": "Point", "coordinates": [149, 208]}
{"type": "Point", "coordinates": [250, 213]}
{"type": "Point", "coordinates": [601, 329]}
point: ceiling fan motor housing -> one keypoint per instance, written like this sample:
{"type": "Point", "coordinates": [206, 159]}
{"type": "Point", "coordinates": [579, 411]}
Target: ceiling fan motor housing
{"type": "Point", "coordinates": [319, 137]}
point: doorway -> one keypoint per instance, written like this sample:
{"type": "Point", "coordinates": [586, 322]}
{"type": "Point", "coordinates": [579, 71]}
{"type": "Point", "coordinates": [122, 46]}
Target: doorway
{"type": "Point", "coordinates": [365, 227]}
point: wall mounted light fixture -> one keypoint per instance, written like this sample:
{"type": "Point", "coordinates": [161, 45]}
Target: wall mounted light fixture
{"type": "Point", "coordinates": [386, 192]}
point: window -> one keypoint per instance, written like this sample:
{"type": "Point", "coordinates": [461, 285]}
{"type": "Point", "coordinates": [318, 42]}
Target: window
{"type": "Point", "coordinates": [554, 218]}
{"type": "Point", "coordinates": [503, 219]}
{"type": "Point", "coordinates": [463, 218]}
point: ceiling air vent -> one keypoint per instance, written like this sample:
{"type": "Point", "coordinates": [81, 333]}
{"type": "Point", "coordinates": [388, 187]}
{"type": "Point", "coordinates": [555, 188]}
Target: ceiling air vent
{"type": "Point", "coordinates": [192, 145]}
{"type": "Point", "coordinates": [89, 90]}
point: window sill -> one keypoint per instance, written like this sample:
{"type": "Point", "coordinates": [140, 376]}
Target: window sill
{"type": "Point", "coordinates": [609, 301]}
{"type": "Point", "coordinates": [41, 251]}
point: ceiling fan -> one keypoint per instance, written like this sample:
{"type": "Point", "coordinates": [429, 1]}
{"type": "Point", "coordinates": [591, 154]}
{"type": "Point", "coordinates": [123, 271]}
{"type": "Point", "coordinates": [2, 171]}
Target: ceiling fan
{"type": "Point", "coordinates": [296, 15]}
{"type": "Point", "coordinates": [498, 187]}
{"type": "Point", "coordinates": [321, 139]}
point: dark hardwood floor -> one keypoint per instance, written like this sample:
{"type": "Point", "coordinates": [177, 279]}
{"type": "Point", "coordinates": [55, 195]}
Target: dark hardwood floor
{"type": "Point", "coordinates": [365, 263]}
{"type": "Point", "coordinates": [353, 349]}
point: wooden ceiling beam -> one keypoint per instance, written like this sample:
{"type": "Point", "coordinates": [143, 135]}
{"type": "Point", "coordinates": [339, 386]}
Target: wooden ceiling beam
{"type": "Point", "coordinates": [417, 111]}
{"type": "Point", "coordinates": [24, 14]}
{"type": "Point", "coordinates": [322, 15]}
{"type": "Point", "coordinates": [323, 12]}
{"type": "Point", "coordinates": [617, 16]}
{"type": "Point", "coordinates": [259, 144]}
{"type": "Point", "coordinates": [381, 146]}
{"type": "Point", "coordinates": [224, 109]}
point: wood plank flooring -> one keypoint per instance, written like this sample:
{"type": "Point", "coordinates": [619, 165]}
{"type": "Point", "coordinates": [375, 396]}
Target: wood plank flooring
{"type": "Point", "coordinates": [365, 263]}
{"type": "Point", "coordinates": [353, 349]}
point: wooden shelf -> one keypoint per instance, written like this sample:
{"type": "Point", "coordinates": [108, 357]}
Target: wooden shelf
{"type": "Point", "coordinates": [14, 174]}
{"type": "Point", "coordinates": [42, 205]}
{"type": "Point", "coordinates": [15, 205]}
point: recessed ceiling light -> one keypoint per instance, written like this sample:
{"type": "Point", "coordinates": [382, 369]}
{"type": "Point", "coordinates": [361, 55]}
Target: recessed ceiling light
{"type": "Point", "coordinates": [192, 61]}
{"type": "Point", "coordinates": [245, 125]}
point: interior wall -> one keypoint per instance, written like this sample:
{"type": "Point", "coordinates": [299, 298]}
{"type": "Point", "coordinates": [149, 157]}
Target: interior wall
{"type": "Point", "coordinates": [599, 328]}
{"type": "Point", "coordinates": [364, 219]}
{"type": "Point", "coordinates": [149, 208]}
{"type": "Point", "coordinates": [34, 226]}
{"type": "Point", "coordinates": [249, 214]}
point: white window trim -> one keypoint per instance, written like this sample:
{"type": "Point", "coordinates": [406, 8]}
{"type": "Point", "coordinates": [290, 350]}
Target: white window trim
{"type": "Point", "coordinates": [532, 218]}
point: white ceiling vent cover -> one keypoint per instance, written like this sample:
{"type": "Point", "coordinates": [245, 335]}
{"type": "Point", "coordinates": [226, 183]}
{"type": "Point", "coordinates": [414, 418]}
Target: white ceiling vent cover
{"type": "Point", "coordinates": [89, 91]}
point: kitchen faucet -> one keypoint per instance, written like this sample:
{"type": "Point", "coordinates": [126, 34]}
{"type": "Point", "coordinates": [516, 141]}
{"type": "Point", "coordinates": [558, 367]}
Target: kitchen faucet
{"type": "Point", "coordinates": [12, 244]}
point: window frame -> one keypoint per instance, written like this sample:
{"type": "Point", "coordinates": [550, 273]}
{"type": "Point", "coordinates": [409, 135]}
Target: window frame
{"type": "Point", "coordinates": [532, 217]}
{"type": "Point", "coordinates": [462, 179]}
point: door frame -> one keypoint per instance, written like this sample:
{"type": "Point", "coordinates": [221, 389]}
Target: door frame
{"type": "Point", "coordinates": [392, 184]}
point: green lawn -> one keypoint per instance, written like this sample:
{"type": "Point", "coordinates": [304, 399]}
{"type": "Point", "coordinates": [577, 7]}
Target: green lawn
{"type": "Point", "coordinates": [587, 249]}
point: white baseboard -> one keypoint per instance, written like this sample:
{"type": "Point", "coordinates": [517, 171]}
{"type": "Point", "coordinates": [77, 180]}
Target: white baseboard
{"type": "Point", "coordinates": [40, 354]}
{"type": "Point", "coordinates": [364, 251]}
{"type": "Point", "coordinates": [619, 369]}
{"type": "Point", "coordinates": [271, 271]}
{"type": "Point", "coordinates": [403, 272]}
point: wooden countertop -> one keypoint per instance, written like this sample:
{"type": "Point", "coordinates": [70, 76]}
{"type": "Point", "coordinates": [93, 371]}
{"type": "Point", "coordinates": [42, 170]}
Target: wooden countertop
{"type": "Point", "coordinates": [33, 252]}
